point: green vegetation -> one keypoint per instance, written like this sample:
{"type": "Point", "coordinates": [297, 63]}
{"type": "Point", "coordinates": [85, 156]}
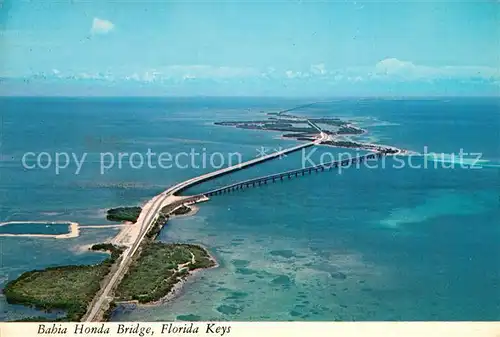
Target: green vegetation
{"type": "Point", "coordinates": [158, 268]}
{"type": "Point", "coordinates": [37, 319]}
{"type": "Point", "coordinates": [158, 225]}
{"type": "Point", "coordinates": [72, 288]}
{"type": "Point", "coordinates": [182, 210]}
{"type": "Point", "coordinates": [108, 247]}
{"type": "Point", "coordinates": [238, 123]}
{"type": "Point", "coordinates": [349, 130]}
{"type": "Point", "coordinates": [328, 121]}
{"type": "Point", "coordinates": [69, 288]}
{"type": "Point", "coordinates": [109, 312]}
{"type": "Point", "coordinates": [344, 143]}
{"type": "Point", "coordinates": [289, 123]}
{"type": "Point", "coordinates": [124, 214]}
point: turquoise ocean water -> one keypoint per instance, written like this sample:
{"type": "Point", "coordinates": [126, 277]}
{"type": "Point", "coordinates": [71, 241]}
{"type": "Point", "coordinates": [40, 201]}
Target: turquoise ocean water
{"type": "Point", "coordinates": [385, 243]}
{"type": "Point", "coordinates": [34, 228]}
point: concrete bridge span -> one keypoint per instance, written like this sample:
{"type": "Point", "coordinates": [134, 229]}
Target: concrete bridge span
{"type": "Point", "coordinates": [255, 182]}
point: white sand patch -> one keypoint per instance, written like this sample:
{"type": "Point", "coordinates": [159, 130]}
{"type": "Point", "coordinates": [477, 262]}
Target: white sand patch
{"type": "Point", "coordinates": [308, 275]}
{"type": "Point", "coordinates": [434, 206]}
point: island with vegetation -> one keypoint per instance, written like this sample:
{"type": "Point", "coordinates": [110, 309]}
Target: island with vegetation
{"type": "Point", "coordinates": [183, 210]}
{"type": "Point", "coordinates": [155, 272]}
{"type": "Point", "coordinates": [299, 128]}
{"type": "Point", "coordinates": [124, 214]}
{"type": "Point", "coordinates": [340, 132]}
{"type": "Point", "coordinates": [68, 288]}
{"type": "Point", "coordinates": [158, 269]}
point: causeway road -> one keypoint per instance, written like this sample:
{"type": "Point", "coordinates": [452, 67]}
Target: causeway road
{"type": "Point", "coordinates": [150, 212]}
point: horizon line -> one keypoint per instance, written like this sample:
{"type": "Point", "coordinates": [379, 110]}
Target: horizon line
{"type": "Point", "coordinates": [254, 96]}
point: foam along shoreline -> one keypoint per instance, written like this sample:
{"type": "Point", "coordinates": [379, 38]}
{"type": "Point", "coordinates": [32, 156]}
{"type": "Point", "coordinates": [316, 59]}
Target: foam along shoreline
{"type": "Point", "coordinates": [179, 286]}
{"type": "Point", "coordinates": [371, 147]}
{"type": "Point", "coordinates": [73, 229]}
{"type": "Point", "coordinates": [192, 211]}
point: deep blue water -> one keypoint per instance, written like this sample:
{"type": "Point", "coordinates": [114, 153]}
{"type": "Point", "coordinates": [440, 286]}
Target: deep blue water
{"type": "Point", "coordinates": [364, 244]}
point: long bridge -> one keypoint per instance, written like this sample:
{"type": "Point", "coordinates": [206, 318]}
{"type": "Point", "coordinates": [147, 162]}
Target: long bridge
{"type": "Point", "coordinates": [255, 182]}
{"type": "Point", "coordinates": [168, 201]}
{"type": "Point", "coordinates": [151, 211]}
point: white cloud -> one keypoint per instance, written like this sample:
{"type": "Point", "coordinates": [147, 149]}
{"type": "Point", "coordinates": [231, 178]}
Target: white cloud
{"type": "Point", "coordinates": [101, 26]}
{"type": "Point", "coordinates": [134, 77]}
{"type": "Point", "coordinates": [296, 74]}
{"type": "Point", "coordinates": [318, 69]}
{"type": "Point", "coordinates": [206, 72]}
{"type": "Point", "coordinates": [355, 79]}
{"type": "Point", "coordinates": [394, 68]}
{"type": "Point", "coordinates": [390, 69]}
{"type": "Point", "coordinates": [203, 71]}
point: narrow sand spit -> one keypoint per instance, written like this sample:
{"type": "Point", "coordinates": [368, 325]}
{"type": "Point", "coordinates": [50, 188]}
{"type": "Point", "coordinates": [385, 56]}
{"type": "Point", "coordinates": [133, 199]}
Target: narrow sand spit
{"type": "Point", "coordinates": [128, 231]}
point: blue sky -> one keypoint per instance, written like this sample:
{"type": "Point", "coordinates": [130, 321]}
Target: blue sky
{"type": "Point", "coordinates": [306, 48]}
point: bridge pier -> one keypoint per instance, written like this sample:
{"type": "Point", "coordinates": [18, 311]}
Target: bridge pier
{"type": "Point", "coordinates": [293, 173]}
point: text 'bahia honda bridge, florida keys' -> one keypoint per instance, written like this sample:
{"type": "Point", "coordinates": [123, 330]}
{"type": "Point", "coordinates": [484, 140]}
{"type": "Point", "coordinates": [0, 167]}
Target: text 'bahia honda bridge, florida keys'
{"type": "Point", "coordinates": [168, 202]}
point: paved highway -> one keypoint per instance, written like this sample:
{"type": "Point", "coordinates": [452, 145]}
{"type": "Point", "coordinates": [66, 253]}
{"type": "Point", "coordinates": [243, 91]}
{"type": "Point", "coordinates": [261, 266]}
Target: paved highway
{"type": "Point", "coordinates": [151, 210]}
